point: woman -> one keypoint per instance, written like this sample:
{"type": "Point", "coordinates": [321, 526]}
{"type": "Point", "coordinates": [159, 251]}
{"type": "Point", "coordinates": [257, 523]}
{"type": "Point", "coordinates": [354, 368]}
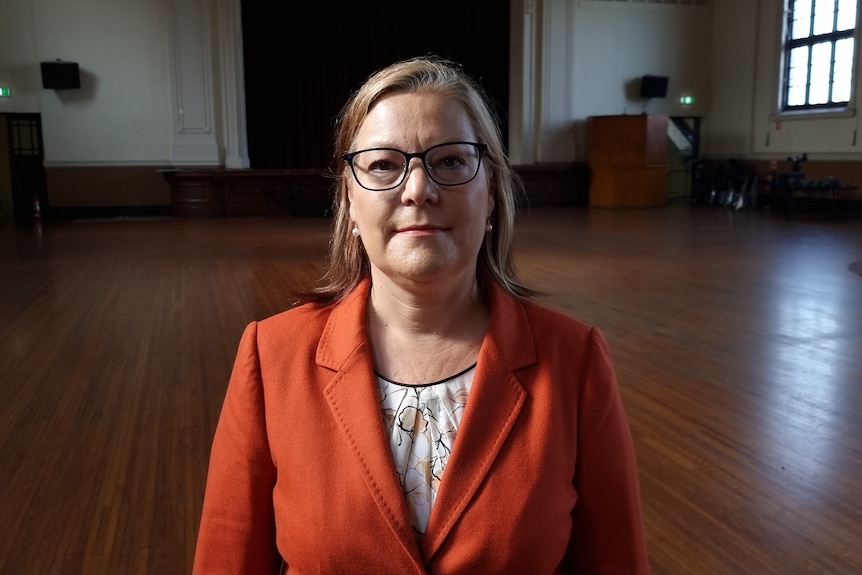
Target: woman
{"type": "Point", "coordinates": [420, 414]}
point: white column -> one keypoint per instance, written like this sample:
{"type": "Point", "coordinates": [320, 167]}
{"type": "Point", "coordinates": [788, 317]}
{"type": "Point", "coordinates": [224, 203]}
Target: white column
{"type": "Point", "coordinates": [554, 98]}
{"type": "Point", "coordinates": [523, 148]}
{"type": "Point", "coordinates": [194, 138]}
{"type": "Point", "coordinates": [233, 84]}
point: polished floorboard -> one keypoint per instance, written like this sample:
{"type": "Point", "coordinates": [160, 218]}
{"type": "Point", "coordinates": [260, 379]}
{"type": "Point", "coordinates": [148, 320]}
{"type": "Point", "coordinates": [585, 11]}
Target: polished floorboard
{"type": "Point", "coordinates": [737, 337]}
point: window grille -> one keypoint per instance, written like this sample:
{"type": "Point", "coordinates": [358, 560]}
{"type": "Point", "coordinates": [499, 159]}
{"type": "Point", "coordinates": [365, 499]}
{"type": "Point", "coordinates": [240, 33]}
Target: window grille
{"type": "Point", "coordinates": [819, 50]}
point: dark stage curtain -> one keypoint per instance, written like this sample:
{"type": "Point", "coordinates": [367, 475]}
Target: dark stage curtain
{"type": "Point", "coordinates": [303, 61]}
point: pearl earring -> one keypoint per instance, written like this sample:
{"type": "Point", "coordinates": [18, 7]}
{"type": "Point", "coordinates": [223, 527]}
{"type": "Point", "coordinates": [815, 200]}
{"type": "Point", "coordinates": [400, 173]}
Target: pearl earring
{"type": "Point", "coordinates": [355, 231]}
{"type": "Point", "coordinates": [489, 225]}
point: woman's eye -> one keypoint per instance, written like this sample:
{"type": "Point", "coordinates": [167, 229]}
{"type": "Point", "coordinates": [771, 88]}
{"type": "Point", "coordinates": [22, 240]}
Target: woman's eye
{"type": "Point", "coordinates": [382, 166]}
{"type": "Point", "coordinates": [451, 162]}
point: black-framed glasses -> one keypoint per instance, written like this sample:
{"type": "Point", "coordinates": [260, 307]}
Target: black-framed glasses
{"type": "Point", "coordinates": [448, 164]}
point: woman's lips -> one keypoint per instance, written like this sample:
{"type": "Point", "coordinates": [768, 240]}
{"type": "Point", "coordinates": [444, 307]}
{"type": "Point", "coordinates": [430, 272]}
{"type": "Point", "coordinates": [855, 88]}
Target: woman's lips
{"type": "Point", "coordinates": [420, 228]}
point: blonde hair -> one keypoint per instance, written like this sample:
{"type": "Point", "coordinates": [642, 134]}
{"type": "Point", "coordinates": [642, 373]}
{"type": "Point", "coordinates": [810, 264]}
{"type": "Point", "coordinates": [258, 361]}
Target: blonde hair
{"type": "Point", "coordinates": [348, 262]}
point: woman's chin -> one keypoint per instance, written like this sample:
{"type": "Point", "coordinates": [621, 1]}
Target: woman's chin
{"type": "Point", "coordinates": [425, 270]}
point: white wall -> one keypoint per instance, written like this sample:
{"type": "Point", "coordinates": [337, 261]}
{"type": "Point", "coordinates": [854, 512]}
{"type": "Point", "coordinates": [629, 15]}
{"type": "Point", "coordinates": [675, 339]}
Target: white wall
{"type": "Point", "coordinates": [578, 58]}
{"type": "Point", "coordinates": [744, 121]}
{"type": "Point", "coordinates": [727, 126]}
{"type": "Point", "coordinates": [570, 59]}
{"type": "Point", "coordinates": [121, 114]}
{"type": "Point", "coordinates": [823, 135]}
{"type": "Point", "coordinates": [617, 43]}
{"type": "Point", "coordinates": [587, 57]}
{"type": "Point", "coordinates": [18, 70]}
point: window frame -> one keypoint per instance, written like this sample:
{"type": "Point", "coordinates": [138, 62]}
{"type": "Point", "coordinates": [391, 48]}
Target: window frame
{"type": "Point", "coordinates": [789, 44]}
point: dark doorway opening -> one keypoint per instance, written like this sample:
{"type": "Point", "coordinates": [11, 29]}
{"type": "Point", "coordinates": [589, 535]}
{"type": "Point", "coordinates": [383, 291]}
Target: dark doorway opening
{"type": "Point", "coordinates": [26, 168]}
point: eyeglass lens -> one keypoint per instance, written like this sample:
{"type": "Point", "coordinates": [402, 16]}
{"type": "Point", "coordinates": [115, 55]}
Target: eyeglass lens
{"type": "Point", "coordinates": [447, 164]}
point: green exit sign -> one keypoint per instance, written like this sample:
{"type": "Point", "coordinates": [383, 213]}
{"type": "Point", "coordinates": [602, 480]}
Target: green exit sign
{"type": "Point", "coordinates": [5, 92]}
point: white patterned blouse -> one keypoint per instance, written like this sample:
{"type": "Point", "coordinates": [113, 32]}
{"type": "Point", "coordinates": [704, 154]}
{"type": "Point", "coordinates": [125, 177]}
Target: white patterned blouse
{"type": "Point", "coordinates": [422, 421]}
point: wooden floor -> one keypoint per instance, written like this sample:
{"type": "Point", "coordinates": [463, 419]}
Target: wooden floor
{"type": "Point", "coordinates": [737, 337]}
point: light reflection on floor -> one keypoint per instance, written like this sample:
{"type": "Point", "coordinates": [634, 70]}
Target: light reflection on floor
{"type": "Point", "coordinates": [815, 314]}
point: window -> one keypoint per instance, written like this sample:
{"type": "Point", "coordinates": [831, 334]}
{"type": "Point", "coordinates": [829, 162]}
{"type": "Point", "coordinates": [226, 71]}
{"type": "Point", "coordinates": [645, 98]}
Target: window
{"type": "Point", "coordinates": [819, 48]}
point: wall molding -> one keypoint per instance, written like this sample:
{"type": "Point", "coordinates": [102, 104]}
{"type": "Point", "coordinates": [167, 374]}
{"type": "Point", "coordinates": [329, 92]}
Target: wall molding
{"type": "Point", "coordinates": [651, 3]}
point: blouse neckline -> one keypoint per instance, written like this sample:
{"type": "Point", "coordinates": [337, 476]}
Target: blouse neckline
{"type": "Point", "coordinates": [444, 380]}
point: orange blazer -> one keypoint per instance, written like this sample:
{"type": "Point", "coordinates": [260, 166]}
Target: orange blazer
{"type": "Point", "coordinates": [541, 479]}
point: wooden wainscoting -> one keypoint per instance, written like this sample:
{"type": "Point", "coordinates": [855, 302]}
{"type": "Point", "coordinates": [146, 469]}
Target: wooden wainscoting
{"type": "Point", "coordinates": [218, 192]}
{"type": "Point", "coordinates": [223, 192]}
{"type": "Point", "coordinates": [98, 191]}
{"type": "Point", "coordinates": [556, 184]}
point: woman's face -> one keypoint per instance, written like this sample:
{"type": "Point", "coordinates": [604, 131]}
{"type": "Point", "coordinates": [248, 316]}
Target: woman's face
{"type": "Point", "coordinates": [420, 231]}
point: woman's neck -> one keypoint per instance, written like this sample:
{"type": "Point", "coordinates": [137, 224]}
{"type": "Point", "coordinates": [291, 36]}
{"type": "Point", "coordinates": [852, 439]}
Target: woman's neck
{"type": "Point", "coordinates": [423, 309]}
{"type": "Point", "coordinates": [422, 334]}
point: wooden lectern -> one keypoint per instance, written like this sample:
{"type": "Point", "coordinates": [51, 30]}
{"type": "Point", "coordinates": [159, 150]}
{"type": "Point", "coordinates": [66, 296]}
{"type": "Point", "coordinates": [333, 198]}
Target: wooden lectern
{"type": "Point", "coordinates": [628, 161]}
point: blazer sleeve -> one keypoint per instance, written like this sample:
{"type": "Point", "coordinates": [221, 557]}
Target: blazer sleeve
{"type": "Point", "coordinates": [237, 528]}
{"type": "Point", "coordinates": [607, 525]}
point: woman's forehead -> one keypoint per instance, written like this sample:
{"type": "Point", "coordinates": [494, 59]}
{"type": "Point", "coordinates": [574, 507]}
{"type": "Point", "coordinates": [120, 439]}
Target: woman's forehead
{"type": "Point", "coordinates": [415, 118]}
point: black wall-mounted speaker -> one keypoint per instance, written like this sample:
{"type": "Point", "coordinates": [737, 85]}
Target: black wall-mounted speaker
{"type": "Point", "coordinates": [61, 75]}
{"type": "Point", "coordinates": [653, 86]}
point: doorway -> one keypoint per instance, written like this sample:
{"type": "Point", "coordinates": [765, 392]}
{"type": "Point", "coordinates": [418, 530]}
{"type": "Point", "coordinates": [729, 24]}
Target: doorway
{"type": "Point", "coordinates": [684, 160]}
{"type": "Point", "coordinates": [22, 171]}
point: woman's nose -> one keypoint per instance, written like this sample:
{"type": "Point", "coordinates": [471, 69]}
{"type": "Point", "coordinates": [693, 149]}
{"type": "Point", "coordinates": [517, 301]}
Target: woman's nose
{"type": "Point", "coordinates": [418, 186]}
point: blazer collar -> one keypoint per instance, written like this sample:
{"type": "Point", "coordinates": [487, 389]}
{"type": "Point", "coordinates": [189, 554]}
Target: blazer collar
{"type": "Point", "coordinates": [495, 401]}
{"type": "Point", "coordinates": [354, 401]}
{"type": "Point", "coordinates": [509, 330]}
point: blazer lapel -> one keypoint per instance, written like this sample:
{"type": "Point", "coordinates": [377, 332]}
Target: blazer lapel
{"type": "Point", "coordinates": [495, 401]}
{"type": "Point", "coordinates": [354, 401]}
